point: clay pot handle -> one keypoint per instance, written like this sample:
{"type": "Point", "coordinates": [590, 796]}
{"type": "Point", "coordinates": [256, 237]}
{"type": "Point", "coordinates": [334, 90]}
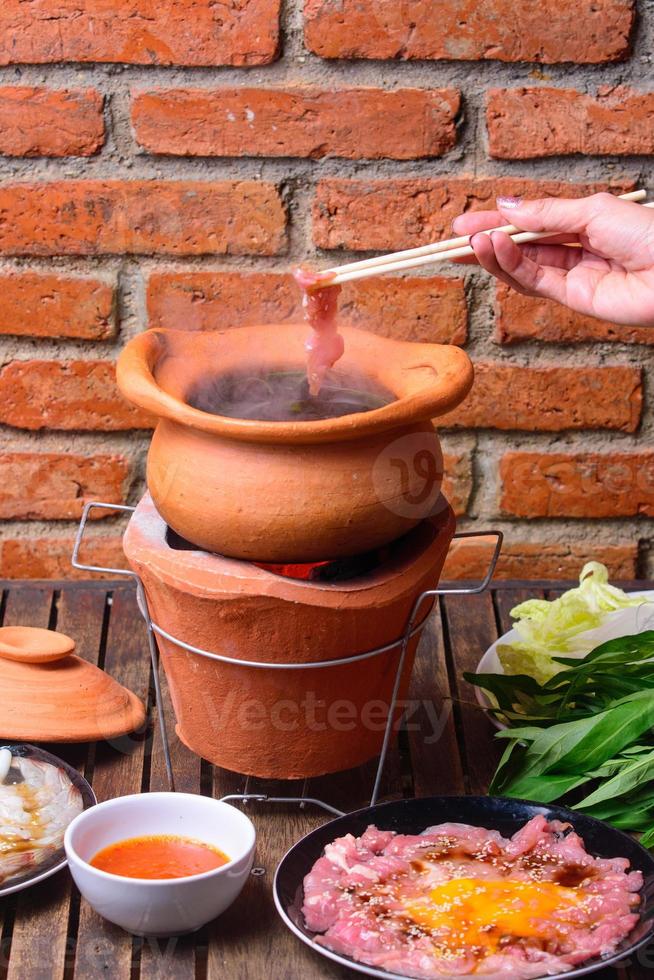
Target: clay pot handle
{"type": "Point", "coordinates": [33, 645]}
{"type": "Point", "coordinates": [431, 379]}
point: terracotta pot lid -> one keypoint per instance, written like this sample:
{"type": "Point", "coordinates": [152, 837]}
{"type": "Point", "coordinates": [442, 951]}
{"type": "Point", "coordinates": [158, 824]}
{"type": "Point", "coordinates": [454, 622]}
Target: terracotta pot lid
{"type": "Point", "coordinates": [50, 695]}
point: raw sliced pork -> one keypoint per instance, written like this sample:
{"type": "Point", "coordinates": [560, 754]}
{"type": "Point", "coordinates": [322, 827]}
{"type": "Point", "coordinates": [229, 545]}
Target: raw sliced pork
{"type": "Point", "coordinates": [459, 900]}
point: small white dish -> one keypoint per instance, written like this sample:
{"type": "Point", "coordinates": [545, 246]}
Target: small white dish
{"type": "Point", "coordinates": [168, 906]}
{"type": "Point", "coordinates": [490, 662]}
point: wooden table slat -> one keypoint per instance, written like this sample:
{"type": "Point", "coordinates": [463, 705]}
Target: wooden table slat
{"type": "Point", "coordinates": [249, 936]}
{"type": "Point", "coordinates": [182, 957]}
{"type": "Point", "coordinates": [104, 950]}
{"type": "Point", "coordinates": [232, 951]}
{"type": "Point", "coordinates": [470, 631]}
{"type": "Point", "coordinates": [40, 948]}
{"type": "Point", "coordinates": [249, 940]}
{"type": "Point", "coordinates": [30, 607]}
{"type": "Point", "coordinates": [435, 757]}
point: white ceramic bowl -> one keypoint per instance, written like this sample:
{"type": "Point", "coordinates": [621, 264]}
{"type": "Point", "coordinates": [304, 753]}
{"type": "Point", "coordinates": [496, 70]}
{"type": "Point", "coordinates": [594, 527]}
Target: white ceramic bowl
{"type": "Point", "coordinates": [170, 906]}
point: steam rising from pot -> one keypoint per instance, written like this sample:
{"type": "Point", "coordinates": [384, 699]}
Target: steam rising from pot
{"type": "Point", "coordinates": [285, 396]}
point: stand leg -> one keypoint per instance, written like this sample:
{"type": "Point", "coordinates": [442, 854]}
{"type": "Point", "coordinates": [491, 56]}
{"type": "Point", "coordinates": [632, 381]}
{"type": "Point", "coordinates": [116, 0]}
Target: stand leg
{"type": "Point", "coordinates": [154, 658]}
{"type": "Point", "coordinates": [388, 731]}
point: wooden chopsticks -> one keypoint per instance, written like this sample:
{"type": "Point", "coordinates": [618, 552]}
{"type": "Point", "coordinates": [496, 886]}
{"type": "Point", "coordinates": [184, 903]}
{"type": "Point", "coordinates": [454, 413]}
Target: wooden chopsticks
{"type": "Point", "coordinates": [445, 251]}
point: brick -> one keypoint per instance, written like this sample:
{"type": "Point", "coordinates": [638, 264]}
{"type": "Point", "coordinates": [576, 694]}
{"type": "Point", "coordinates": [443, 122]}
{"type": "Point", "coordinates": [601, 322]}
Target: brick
{"type": "Point", "coordinates": [55, 486]}
{"type": "Point", "coordinates": [36, 305]}
{"type": "Point", "coordinates": [549, 31]}
{"type": "Point", "coordinates": [400, 213]}
{"type": "Point", "coordinates": [457, 481]}
{"type": "Point", "coordinates": [519, 317]}
{"type": "Point", "coordinates": [105, 217]}
{"type": "Point", "coordinates": [542, 122]}
{"type": "Point", "coordinates": [41, 122]}
{"type": "Point", "coordinates": [138, 32]}
{"type": "Point", "coordinates": [550, 399]}
{"type": "Point", "coordinates": [65, 395]}
{"type": "Point", "coordinates": [535, 560]}
{"type": "Point", "coordinates": [577, 484]}
{"type": "Point", "coordinates": [356, 124]}
{"type": "Point", "coordinates": [431, 309]}
{"type": "Point", "coordinates": [49, 558]}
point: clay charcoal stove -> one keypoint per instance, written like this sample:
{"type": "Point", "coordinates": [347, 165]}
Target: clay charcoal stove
{"type": "Point", "coordinates": [285, 538]}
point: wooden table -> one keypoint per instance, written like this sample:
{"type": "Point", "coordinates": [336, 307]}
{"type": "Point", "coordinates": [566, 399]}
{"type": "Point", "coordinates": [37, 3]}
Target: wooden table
{"type": "Point", "coordinates": [447, 746]}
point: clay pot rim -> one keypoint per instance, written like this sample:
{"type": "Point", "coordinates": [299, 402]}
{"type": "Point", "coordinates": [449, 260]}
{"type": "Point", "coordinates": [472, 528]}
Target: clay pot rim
{"type": "Point", "coordinates": [427, 379]}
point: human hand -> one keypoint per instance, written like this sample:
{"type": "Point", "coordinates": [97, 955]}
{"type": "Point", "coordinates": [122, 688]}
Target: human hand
{"type": "Point", "coordinates": [609, 275]}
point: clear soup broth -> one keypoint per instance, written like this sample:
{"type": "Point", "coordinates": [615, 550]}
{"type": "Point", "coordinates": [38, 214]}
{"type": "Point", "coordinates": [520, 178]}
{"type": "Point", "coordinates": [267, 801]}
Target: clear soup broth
{"type": "Point", "coordinates": [283, 396]}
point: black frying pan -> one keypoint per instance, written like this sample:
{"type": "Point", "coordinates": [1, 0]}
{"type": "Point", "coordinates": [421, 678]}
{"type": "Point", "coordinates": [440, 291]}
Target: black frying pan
{"type": "Point", "coordinates": [494, 813]}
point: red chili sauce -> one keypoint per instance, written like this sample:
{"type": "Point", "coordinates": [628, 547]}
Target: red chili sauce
{"type": "Point", "coordinates": [161, 856]}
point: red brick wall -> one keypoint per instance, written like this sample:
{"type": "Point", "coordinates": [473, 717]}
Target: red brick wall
{"type": "Point", "coordinates": [165, 164]}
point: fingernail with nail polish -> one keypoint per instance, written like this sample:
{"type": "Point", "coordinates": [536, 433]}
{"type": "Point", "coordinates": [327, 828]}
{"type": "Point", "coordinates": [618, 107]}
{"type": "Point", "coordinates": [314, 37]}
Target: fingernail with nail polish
{"type": "Point", "coordinates": [509, 202]}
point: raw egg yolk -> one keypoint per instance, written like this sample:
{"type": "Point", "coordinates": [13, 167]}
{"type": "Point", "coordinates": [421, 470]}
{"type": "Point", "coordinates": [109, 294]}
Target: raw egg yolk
{"type": "Point", "coordinates": [477, 912]}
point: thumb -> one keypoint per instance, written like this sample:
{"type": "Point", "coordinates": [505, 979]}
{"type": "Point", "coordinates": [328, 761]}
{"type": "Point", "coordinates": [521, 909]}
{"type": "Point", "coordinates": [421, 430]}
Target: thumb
{"type": "Point", "coordinates": [555, 214]}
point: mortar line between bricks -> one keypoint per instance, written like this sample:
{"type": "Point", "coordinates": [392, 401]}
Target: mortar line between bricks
{"type": "Point", "coordinates": [289, 69]}
{"type": "Point", "coordinates": [143, 166]}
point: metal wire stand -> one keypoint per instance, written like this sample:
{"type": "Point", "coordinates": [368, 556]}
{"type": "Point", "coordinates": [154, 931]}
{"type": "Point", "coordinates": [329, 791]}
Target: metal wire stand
{"type": "Point", "coordinates": [412, 627]}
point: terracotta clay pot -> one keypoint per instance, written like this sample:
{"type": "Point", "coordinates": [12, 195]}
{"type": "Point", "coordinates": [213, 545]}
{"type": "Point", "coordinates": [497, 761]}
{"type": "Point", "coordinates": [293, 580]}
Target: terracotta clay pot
{"type": "Point", "coordinates": [292, 491]}
{"type": "Point", "coordinates": [282, 723]}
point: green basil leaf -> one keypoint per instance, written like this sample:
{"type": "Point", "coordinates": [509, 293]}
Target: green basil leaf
{"type": "Point", "coordinates": [602, 811]}
{"type": "Point", "coordinates": [508, 690]}
{"type": "Point", "coordinates": [555, 746]}
{"type": "Point", "coordinates": [633, 821]}
{"type": "Point", "coordinates": [504, 767]}
{"type": "Point", "coordinates": [636, 750]}
{"type": "Point", "coordinates": [609, 768]}
{"type": "Point", "coordinates": [640, 771]}
{"type": "Point", "coordinates": [544, 788]}
{"type": "Point", "coordinates": [526, 734]}
{"type": "Point", "coordinates": [581, 746]}
{"type": "Point", "coordinates": [619, 727]}
{"type": "Point", "coordinates": [634, 646]}
{"type": "Point", "coordinates": [643, 796]}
